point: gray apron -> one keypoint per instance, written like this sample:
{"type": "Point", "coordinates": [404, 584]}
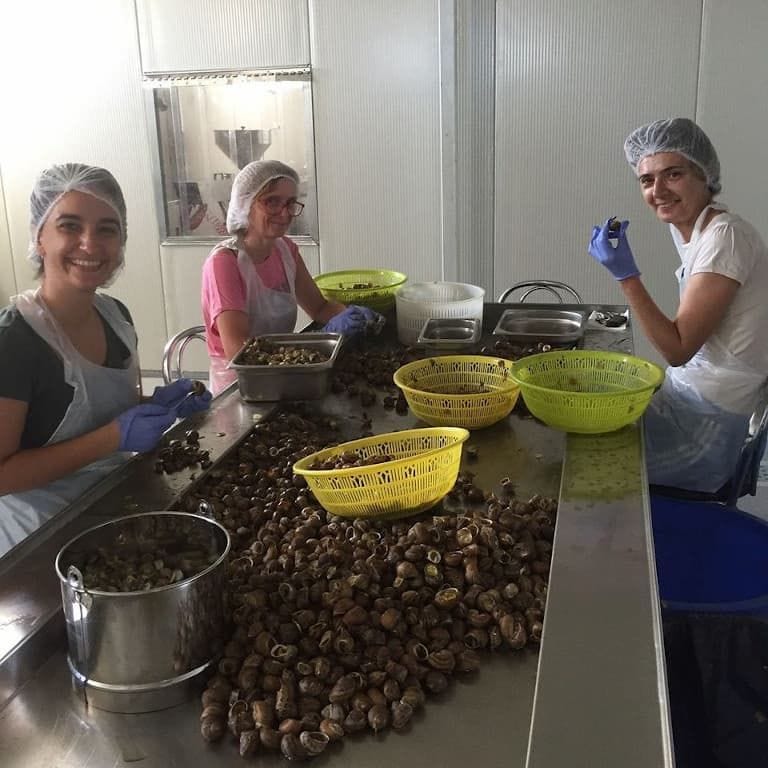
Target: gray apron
{"type": "Point", "coordinates": [100, 395]}
{"type": "Point", "coordinates": [269, 310]}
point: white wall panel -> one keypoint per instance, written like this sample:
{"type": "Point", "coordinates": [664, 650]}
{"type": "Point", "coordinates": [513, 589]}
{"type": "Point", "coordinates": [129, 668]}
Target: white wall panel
{"type": "Point", "coordinates": [377, 98]}
{"type": "Point", "coordinates": [79, 98]}
{"type": "Point", "coordinates": [733, 102]}
{"type": "Point", "coordinates": [182, 272]}
{"type": "Point", "coordinates": [475, 109]}
{"type": "Point", "coordinates": [7, 274]}
{"type": "Point", "coordinates": [573, 79]}
{"type": "Point", "coordinates": [179, 35]}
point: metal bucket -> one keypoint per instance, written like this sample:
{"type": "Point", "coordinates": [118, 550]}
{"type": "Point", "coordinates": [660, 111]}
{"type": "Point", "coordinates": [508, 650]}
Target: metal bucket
{"type": "Point", "coordinates": [134, 647]}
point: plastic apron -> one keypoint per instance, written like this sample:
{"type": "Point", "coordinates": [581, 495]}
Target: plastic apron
{"type": "Point", "coordinates": [697, 422]}
{"type": "Point", "coordinates": [269, 310]}
{"type": "Point", "coordinates": [100, 394]}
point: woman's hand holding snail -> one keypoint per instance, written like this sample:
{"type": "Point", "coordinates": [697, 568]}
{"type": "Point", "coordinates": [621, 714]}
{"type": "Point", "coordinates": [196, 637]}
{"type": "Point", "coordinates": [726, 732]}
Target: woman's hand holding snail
{"type": "Point", "coordinates": [617, 259]}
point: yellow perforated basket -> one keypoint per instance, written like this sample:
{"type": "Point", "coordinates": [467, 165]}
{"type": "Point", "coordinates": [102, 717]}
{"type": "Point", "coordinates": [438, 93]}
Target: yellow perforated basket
{"type": "Point", "coordinates": [424, 467]}
{"type": "Point", "coordinates": [341, 286]}
{"type": "Point", "coordinates": [445, 391]}
{"type": "Point", "coordinates": [585, 390]}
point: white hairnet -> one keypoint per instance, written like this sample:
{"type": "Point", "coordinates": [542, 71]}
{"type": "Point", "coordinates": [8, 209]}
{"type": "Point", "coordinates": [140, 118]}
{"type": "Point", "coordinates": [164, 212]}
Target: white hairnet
{"type": "Point", "coordinates": [56, 181]}
{"type": "Point", "coordinates": [247, 185]}
{"type": "Point", "coordinates": [677, 134]}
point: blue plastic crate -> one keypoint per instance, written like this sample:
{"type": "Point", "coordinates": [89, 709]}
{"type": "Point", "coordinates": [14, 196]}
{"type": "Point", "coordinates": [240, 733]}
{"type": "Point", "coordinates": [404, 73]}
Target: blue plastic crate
{"type": "Point", "coordinates": [710, 558]}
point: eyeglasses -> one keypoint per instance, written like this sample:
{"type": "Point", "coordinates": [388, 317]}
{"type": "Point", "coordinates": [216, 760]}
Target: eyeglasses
{"type": "Point", "coordinates": [275, 205]}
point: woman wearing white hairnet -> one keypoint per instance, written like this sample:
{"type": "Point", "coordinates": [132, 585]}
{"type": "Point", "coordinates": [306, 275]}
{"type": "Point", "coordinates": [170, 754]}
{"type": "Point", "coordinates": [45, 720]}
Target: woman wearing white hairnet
{"type": "Point", "coordinates": [70, 386]}
{"type": "Point", "coordinates": [715, 344]}
{"type": "Point", "coordinates": [253, 282]}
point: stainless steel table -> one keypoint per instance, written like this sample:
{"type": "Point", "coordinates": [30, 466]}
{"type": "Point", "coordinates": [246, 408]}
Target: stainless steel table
{"type": "Point", "coordinates": [595, 695]}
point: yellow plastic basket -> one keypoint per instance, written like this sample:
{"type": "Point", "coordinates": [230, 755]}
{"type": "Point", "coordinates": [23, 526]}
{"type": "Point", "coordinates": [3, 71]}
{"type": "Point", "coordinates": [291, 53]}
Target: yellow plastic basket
{"type": "Point", "coordinates": [424, 468]}
{"type": "Point", "coordinates": [451, 379]}
{"type": "Point", "coordinates": [586, 391]}
{"type": "Point", "coordinates": [340, 286]}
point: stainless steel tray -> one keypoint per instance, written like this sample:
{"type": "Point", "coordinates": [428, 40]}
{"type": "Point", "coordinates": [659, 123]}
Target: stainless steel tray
{"type": "Point", "coordinates": [547, 325]}
{"type": "Point", "coordinates": [449, 334]}
{"type": "Point", "coordinates": [309, 381]}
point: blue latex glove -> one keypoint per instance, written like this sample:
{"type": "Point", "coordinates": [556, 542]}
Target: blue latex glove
{"type": "Point", "coordinates": [143, 425]}
{"type": "Point", "coordinates": [355, 319]}
{"type": "Point", "coordinates": [617, 259]}
{"type": "Point", "coordinates": [177, 396]}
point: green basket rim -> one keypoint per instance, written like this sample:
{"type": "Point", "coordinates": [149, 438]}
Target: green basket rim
{"type": "Point", "coordinates": [299, 469]}
{"type": "Point", "coordinates": [402, 370]}
{"type": "Point", "coordinates": [580, 353]}
{"type": "Point", "coordinates": [399, 279]}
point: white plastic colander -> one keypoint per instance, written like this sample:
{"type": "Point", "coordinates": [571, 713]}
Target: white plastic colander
{"type": "Point", "coordinates": [416, 303]}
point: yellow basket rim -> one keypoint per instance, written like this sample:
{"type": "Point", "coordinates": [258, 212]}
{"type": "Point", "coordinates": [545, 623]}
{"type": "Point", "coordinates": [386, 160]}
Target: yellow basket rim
{"type": "Point", "coordinates": [398, 278]}
{"type": "Point", "coordinates": [299, 467]}
{"type": "Point", "coordinates": [596, 355]}
{"type": "Point", "coordinates": [508, 387]}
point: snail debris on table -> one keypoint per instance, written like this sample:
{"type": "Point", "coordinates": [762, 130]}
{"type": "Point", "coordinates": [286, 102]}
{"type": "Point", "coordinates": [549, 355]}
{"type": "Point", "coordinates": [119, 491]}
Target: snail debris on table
{"type": "Point", "coordinates": [176, 455]}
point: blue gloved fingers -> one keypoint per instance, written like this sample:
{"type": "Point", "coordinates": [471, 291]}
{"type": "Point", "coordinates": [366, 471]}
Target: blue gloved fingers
{"type": "Point", "coordinates": [374, 321]}
{"type": "Point", "coordinates": [355, 319]}
{"type": "Point", "coordinates": [194, 404]}
{"type": "Point", "coordinates": [370, 316]}
{"type": "Point", "coordinates": [595, 234]}
{"type": "Point", "coordinates": [172, 394]}
{"type": "Point", "coordinates": [142, 426]}
{"type": "Point", "coordinates": [348, 321]}
{"type": "Point", "coordinates": [617, 259]}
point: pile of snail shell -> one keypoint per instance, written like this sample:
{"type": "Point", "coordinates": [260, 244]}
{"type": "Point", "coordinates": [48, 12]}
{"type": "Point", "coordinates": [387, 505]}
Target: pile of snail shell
{"type": "Point", "coordinates": [344, 625]}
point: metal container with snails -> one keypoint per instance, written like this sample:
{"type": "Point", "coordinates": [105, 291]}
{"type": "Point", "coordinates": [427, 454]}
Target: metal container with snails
{"type": "Point", "coordinates": [143, 609]}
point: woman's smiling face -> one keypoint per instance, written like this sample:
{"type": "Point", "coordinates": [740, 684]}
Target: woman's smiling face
{"type": "Point", "coordinates": [80, 242]}
{"type": "Point", "coordinates": [675, 188]}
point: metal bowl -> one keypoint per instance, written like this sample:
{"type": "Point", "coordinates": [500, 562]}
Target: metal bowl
{"type": "Point", "coordinates": [550, 326]}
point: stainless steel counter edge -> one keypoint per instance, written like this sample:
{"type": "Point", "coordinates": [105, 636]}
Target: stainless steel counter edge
{"type": "Point", "coordinates": [601, 692]}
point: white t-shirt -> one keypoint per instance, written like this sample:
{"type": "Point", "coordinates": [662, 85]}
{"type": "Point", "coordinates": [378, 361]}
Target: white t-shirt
{"type": "Point", "coordinates": [732, 247]}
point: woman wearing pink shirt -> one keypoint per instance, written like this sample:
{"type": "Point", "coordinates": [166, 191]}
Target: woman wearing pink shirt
{"type": "Point", "coordinates": [254, 280]}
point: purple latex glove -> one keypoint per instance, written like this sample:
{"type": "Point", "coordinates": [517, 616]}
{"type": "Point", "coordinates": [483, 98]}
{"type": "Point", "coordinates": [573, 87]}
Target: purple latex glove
{"type": "Point", "coordinates": [142, 426]}
{"type": "Point", "coordinates": [618, 258]}
{"type": "Point", "coordinates": [179, 398]}
{"type": "Point", "coordinates": [354, 319]}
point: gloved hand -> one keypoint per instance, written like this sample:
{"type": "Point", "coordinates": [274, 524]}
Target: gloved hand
{"type": "Point", "coordinates": [174, 396]}
{"type": "Point", "coordinates": [143, 425]}
{"type": "Point", "coordinates": [617, 259]}
{"type": "Point", "coordinates": [355, 319]}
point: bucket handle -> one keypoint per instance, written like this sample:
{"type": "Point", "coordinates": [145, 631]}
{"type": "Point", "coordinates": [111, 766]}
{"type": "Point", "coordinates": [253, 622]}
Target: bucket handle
{"type": "Point", "coordinates": [205, 509]}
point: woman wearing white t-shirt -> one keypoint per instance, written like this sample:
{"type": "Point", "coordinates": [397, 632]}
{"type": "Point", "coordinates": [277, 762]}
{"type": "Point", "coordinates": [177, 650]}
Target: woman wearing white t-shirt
{"type": "Point", "coordinates": [716, 344]}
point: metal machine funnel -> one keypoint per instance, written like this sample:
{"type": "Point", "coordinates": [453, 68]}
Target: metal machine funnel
{"type": "Point", "coordinates": [244, 145]}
